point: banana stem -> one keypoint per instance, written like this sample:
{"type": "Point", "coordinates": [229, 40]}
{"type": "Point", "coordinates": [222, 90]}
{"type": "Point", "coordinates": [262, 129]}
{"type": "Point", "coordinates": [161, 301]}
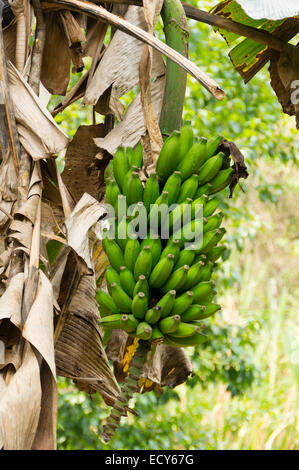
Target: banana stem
{"type": "Point", "coordinates": [130, 386]}
{"type": "Point", "coordinates": [176, 34]}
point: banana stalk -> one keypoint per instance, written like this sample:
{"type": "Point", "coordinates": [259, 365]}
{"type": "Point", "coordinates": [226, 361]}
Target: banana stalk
{"type": "Point", "coordinates": [176, 34]}
{"type": "Point", "coordinates": [130, 386]}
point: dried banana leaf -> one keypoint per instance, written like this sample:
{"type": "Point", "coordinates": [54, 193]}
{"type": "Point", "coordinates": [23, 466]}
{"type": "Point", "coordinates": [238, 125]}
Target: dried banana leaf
{"type": "Point", "coordinates": [39, 133]}
{"type": "Point", "coordinates": [20, 404]}
{"type": "Point", "coordinates": [129, 131]}
{"type": "Point", "coordinates": [79, 351]}
{"type": "Point", "coordinates": [119, 66]}
{"type": "Point", "coordinates": [168, 366]}
{"type": "Point", "coordinates": [82, 172]}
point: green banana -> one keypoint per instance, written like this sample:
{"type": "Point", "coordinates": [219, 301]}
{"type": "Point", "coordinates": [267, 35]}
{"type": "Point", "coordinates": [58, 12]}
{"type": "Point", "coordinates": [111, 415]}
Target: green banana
{"type": "Point", "coordinates": [157, 335]}
{"type": "Point", "coordinates": [210, 169]}
{"type": "Point", "coordinates": [209, 298]}
{"type": "Point", "coordinates": [120, 166]}
{"type": "Point", "coordinates": [193, 275]}
{"type": "Point", "coordinates": [134, 189]}
{"type": "Point", "coordinates": [127, 280]}
{"type": "Point", "coordinates": [166, 303]}
{"type": "Point", "coordinates": [194, 312]}
{"type": "Point", "coordinates": [113, 193]}
{"type": "Point", "coordinates": [213, 222]}
{"type": "Point", "coordinates": [203, 189]}
{"type": "Point", "coordinates": [121, 298]}
{"type": "Point", "coordinates": [129, 323]}
{"type": "Point", "coordinates": [185, 141]}
{"type": "Point", "coordinates": [152, 316]}
{"type": "Point", "coordinates": [144, 331]}
{"type": "Point", "coordinates": [212, 146]}
{"type": "Point", "coordinates": [211, 239]}
{"type": "Point", "coordinates": [185, 257]}
{"type": "Point", "coordinates": [182, 303]}
{"type": "Point", "coordinates": [112, 321]}
{"type": "Point", "coordinates": [111, 275]}
{"type": "Point", "coordinates": [202, 290]}
{"type": "Point", "coordinates": [173, 186]}
{"type": "Point", "coordinates": [193, 159]}
{"type": "Point", "coordinates": [215, 253]}
{"type": "Point", "coordinates": [169, 324]}
{"type": "Point", "coordinates": [188, 233]}
{"type": "Point", "coordinates": [141, 286]}
{"type": "Point", "coordinates": [154, 242]}
{"type": "Point", "coordinates": [151, 191]}
{"type": "Point", "coordinates": [209, 310]}
{"type": "Point", "coordinates": [211, 206]}
{"type": "Point", "coordinates": [176, 280]}
{"type": "Point", "coordinates": [197, 206]}
{"type": "Point", "coordinates": [129, 153]}
{"type": "Point", "coordinates": [179, 214]}
{"type": "Point", "coordinates": [161, 271]}
{"type": "Point", "coordinates": [121, 232]}
{"type": "Point", "coordinates": [158, 211]}
{"type": "Point", "coordinates": [195, 340]}
{"type": "Point", "coordinates": [132, 251]}
{"type": "Point", "coordinates": [205, 273]}
{"type": "Point", "coordinates": [108, 173]}
{"type": "Point", "coordinates": [185, 329]}
{"type": "Point", "coordinates": [140, 305]}
{"type": "Point", "coordinates": [137, 156]}
{"type": "Point", "coordinates": [106, 301]}
{"type": "Point", "coordinates": [169, 156]}
{"type": "Point", "coordinates": [104, 312]}
{"type": "Point", "coordinates": [172, 248]}
{"type": "Point", "coordinates": [188, 189]}
{"type": "Point", "coordinates": [143, 264]}
{"type": "Point", "coordinates": [127, 178]}
{"type": "Point", "coordinates": [114, 253]}
{"type": "Point", "coordinates": [108, 191]}
{"type": "Point", "coordinates": [222, 180]}
{"type": "Point", "coordinates": [120, 208]}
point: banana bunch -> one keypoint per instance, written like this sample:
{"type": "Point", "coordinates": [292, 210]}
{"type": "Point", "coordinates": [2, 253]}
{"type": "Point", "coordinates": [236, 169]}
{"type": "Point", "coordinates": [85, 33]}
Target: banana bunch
{"type": "Point", "coordinates": [160, 288]}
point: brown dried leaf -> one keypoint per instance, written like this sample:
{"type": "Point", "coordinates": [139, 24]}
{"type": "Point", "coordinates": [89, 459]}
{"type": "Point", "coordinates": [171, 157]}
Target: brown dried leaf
{"type": "Point", "coordinates": [129, 131]}
{"type": "Point", "coordinates": [119, 66]}
{"type": "Point", "coordinates": [168, 366]}
{"type": "Point", "coordinates": [79, 350]}
{"type": "Point", "coordinates": [86, 213]}
{"type": "Point", "coordinates": [230, 149]}
{"type": "Point", "coordinates": [38, 328]}
{"type": "Point", "coordinates": [39, 133]}
{"type": "Point", "coordinates": [155, 141]}
{"type": "Point", "coordinates": [55, 74]}
{"type": "Point", "coordinates": [82, 172]}
{"type": "Point", "coordinates": [20, 404]}
{"type": "Point", "coordinates": [45, 438]}
{"type": "Point", "coordinates": [284, 72]}
{"type": "Point", "coordinates": [8, 188]}
{"type": "Point", "coordinates": [11, 301]}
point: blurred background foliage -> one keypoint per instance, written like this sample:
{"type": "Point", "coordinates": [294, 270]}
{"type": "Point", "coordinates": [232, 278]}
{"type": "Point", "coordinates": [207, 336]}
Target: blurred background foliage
{"type": "Point", "coordinates": [244, 394]}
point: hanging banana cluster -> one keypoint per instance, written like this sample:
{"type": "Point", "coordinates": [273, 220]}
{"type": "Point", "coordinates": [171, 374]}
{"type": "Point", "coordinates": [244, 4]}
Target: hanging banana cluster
{"type": "Point", "coordinates": [160, 287]}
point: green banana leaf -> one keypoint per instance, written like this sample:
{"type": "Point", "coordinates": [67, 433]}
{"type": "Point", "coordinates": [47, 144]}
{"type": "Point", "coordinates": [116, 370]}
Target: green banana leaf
{"type": "Point", "coordinates": [249, 56]}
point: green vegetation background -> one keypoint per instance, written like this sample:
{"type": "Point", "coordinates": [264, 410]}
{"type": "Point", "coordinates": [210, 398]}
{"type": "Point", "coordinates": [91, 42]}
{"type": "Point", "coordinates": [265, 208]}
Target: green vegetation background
{"type": "Point", "coordinates": [244, 394]}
